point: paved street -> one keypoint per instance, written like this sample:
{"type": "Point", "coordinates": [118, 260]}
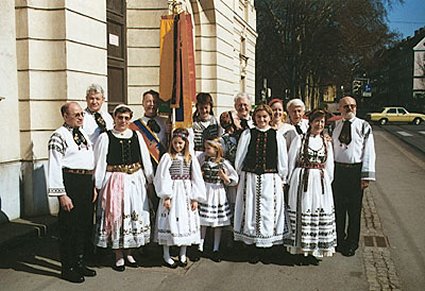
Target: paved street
{"type": "Point", "coordinates": [391, 257]}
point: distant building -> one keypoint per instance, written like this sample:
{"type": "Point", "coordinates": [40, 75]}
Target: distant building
{"type": "Point", "coordinates": [400, 80]}
{"type": "Point", "coordinates": [50, 51]}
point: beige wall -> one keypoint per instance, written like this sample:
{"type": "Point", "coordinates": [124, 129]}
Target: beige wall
{"type": "Point", "coordinates": [51, 50]}
{"type": "Point", "coordinates": [218, 27]}
{"type": "Point", "coordinates": [60, 50]}
{"type": "Point", "coordinates": [9, 121]}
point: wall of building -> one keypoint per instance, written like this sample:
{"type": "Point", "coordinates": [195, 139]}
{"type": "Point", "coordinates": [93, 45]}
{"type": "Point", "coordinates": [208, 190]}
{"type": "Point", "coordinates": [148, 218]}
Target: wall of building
{"type": "Point", "coordinates": [218, 29]}
{"type": "Point", "coordinates": [52, 50]}
{"type": "Point", "coordinates": [60, 50]}
{"type": "Point", "coordinates": [9, 119]}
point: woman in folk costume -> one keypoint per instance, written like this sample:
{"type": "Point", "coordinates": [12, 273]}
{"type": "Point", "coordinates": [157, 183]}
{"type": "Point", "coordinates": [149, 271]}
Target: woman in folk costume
{"type": "Point", "coordinates": [215, 212]}
{"type": "Point", "coordinates": [179, 185]}
{"type": "Point", "coordinates": [205, 124]}
{"type": "Point", "coordinates": [261, 160]}
{"type": "Point", "coordinates": [310, 205]}
{"type": "Point", "coordinates": [123, 171]}
{"type": "Point", "coordinates": [278, 122]}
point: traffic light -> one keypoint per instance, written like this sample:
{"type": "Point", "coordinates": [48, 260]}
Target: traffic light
{"type": "Point", "coordinates": [357, 87]}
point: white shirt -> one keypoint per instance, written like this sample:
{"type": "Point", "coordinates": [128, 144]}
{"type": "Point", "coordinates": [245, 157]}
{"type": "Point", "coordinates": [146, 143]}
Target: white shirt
{"type": "Point", "coordinates": [90, 126]}
{"type": "Point", "coordinates": [65, 153]}
{"type": "Point", "coordinates": [303, 123]}
{"type": "Point", "coordinates": [361, 148]}
{"type": "Point", "coordinates": [289, 133]}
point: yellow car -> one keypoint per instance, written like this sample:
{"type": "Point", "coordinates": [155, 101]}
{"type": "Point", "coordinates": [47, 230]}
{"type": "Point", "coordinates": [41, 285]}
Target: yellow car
{"type": "Point", "coordinates": [395, 114]}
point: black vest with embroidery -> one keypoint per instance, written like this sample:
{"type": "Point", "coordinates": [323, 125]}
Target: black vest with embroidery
{"type": "Point", "coordinates": [262, 152]}
{"type": "Point", "coordinates": [201, 133]}
{"type": "Point", "coordinates": [210, 171]}
{"type": "Point", "coordinates": [123, 151]}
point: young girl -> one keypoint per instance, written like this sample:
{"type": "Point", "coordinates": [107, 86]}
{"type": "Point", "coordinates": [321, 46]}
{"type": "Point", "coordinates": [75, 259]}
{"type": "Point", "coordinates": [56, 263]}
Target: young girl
{"type": "Point", "coordinates": [278, 122]}
{"type": "Point", "coordinates": [261, 160]}
{"type": "Point", "coordinates": [311, 206]}
{"type": "Point", "coordinates": [205, 125]}
{"type": "Point", "coordinates": [179, 185]}
{"type": "Point", "coordinates": [215, 212]}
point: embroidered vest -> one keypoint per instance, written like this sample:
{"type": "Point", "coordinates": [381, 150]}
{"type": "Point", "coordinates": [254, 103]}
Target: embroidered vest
{"type": "Point", "coordinates": [123, 151]}
{"type": "Point", "coordinates": [262, 152]}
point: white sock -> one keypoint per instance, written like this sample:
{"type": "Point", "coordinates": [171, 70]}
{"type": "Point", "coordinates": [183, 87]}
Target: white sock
{"type": "Point", "coordinates": [217, 238]}
{"type": "Point", "coordinates": [166, 255]}
{"type": "Point", "coordinates": [183, 254]}
{"type": "Point", "coordinates": [119, 262]}
{"type": "Point", "coordinates": [131, 259]}
{"type": "Point", "coordinates": [203, 233]}
{"type": "Point", "coordinates": [119, 259]}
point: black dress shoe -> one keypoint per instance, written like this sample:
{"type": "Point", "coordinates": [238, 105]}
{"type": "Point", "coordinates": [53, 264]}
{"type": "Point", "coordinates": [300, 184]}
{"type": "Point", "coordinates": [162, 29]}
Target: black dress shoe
{"type": "Point", "coordinates": [131, 264]}
{"type": "Point", "coordinates": [118, 268]}
{"type": "Point", "coordinates": [313, 260]}
{"type": "Point", "coordinates": [171, 266]}
{"type": "Point", "coordinates": [72, 275]}
{"type": "Point", "coordinates": [182, 264]}
{"type": "Point", "coordinates": [216, 257]}
{"type": "Point", "coordinates": [349, 252]}
{"type": "Point", "coordinates": [84, 271]}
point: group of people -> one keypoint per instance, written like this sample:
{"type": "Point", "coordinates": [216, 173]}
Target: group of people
{"type": "Point", "coordinates": [272, 178]}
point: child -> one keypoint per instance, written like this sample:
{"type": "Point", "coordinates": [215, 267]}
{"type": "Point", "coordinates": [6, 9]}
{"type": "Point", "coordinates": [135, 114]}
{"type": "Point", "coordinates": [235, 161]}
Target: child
{"type": "Point", "coordinates": [205, 124]}
{"type": "Point", "coordinates": [179, 185]}
{"type": "Point", "coordinates": [215, 212]}
{"type": "Point", "coordinates": [261, 160]}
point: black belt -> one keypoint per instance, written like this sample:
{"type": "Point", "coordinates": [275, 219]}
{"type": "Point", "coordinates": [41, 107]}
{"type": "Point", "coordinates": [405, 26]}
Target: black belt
{"type": "Point", "coordinates": [346, 165]}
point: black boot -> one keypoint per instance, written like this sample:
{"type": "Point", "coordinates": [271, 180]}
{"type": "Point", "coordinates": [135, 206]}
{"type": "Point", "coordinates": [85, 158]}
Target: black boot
{"type": "Point", "coordinates": [81, 268]}
{"type": "Point", "coordinates": [72, 275]}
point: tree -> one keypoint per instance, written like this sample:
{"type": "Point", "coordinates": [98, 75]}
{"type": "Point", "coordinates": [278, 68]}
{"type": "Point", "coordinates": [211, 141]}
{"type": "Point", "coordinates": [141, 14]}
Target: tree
{"type": "Point", "coordinates": [304, 45]}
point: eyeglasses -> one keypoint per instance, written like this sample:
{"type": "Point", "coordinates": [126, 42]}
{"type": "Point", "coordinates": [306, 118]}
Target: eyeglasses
{"type": "Point", "coordinates": [77, 115]}
{"type": "Point", "coordinates": [346, 106]}
{"type": "Point", "coordinates": [126, 118]}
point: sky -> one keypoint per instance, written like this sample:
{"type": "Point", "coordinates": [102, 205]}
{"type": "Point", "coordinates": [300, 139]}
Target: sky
{"type": "Point", "coordinates": [408, 17]}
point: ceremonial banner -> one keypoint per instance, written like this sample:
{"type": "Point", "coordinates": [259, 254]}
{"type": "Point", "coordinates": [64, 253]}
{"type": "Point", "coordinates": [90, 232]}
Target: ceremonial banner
{"type": "Point", "coordinates": [177, 67]}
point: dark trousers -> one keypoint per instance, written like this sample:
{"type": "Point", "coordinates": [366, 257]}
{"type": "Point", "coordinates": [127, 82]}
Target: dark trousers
{"type": "Point", "coordinates": [75, 227]}
{"type": "Point", "coordinates": [348, 197]}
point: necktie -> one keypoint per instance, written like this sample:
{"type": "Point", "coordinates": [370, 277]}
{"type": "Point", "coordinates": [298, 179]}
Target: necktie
{"type": "Point", "coordinates": [154, 126]}
{"type": "Point", "coordinates": [78, 136]}
{"type": "Point", "coordinates": [244, 123]}
{"type": "Point", "coordinates": [298, 129]}
{"type": "Point", "coordinates": [100, 121]}
{"type": "Point", "coordinates": [345, 135]}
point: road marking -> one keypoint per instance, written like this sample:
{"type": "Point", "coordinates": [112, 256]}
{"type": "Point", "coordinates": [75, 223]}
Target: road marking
{"type": "Point", "coordinates": [403, 133]}
{"type": "Point", "coordinates": [421, 132]}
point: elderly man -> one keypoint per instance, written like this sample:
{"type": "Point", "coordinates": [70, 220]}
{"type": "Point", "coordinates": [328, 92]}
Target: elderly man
{"type": "Point", "coordinates": [354, 154]}
{"type": "Point", "coordinates": [96, 120]}
{"type": "Point", "coordinates": [296, 110]}
{"type": "Point", "coordinates": [243, 106]}
{"type": "Point", "coordinates": [71, 164]}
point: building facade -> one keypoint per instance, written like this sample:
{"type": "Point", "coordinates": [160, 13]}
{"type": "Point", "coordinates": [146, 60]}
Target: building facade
{"type": "Point", "coordinates": [51, 50]}
{"type": "Point", "coordinates": [400, 80]}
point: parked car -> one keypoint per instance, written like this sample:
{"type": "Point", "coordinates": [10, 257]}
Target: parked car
{"type": "Point", "coordinates": [395, 114]}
